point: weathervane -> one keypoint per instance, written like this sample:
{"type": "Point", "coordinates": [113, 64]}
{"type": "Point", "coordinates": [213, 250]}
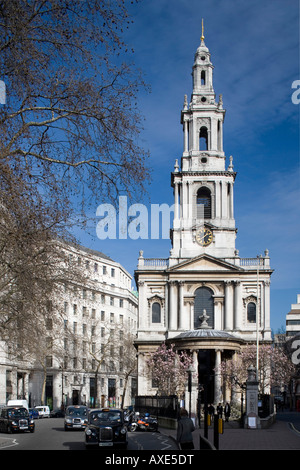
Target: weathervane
{"type": "Point", "coordinates": [202, 37]}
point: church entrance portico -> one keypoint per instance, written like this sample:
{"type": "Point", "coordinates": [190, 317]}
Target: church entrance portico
{"type": "Point", "coordinates": [208, 348]}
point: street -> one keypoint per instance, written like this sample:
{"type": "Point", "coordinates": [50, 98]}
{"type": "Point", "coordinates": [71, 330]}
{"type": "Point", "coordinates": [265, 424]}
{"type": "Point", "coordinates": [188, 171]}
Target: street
{"type": "Point", "coordinates": [50, 435]}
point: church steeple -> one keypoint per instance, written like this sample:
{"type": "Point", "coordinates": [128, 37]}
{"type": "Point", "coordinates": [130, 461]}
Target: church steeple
{"type": "Point", "coordinates": [203, 188]}
{"type": "Point", "coordinates": [202, 37]}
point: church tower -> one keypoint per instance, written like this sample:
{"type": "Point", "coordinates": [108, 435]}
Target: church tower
{"type": "Point", "coordinates": [203, 186]}
{"type": "Point", "coordinates": [204, 298]}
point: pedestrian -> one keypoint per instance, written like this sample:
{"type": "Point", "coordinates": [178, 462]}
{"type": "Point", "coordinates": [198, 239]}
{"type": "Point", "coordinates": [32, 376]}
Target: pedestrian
{"type": "Point", "coordinates": [185, 427]}
{"type": "Point", "coordinates": [220, 410]}
{"type": "Point", "coordinates": [211, 411]}
{"type": "Point", "coordinates": [227, 410]}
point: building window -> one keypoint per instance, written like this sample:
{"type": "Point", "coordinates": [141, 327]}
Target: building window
{"type": "Point", "coordinates": [204, 301]}
{"type": "Point", "coordinates": [156, 312]}
{"type": "Point", "coordinates": [203, 139]}
{"type": "Point", "coordinates": [49, 361]}
{"type": "Point", "coordinates": [251, 312]}
{"type": "Point", "coordinates": [203, 203]}
{"type": "Point", "coordinates": [203, 77]}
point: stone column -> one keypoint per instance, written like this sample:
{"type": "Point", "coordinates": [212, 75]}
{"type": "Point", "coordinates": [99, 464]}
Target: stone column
{"type": "Point", "coordinates": [186, 136]}
{"type": "Point", "coordinates": [181, 305]}
{"type": "Point", "coordinates": [194, 384]}
{"type": "Point", "coordinates": [142, 315]}
{"type": "Point", "coordinates": [267, 304]}
{"type": "Point", "coordinates": [175, 201]}
{"type": "Point", "coordinates": [237, 306]}
{"type": "Point", "coordinates": [217, 393]}
{"type": "Point", "coordinates": [217, 200]}
{"type": "Point", "coordinates": [166, 322]}
{"type": "Point", "coordinates": [224, 200]}
{"type": "Point", "coordinates": [172, 306]}
{"type": "Point", "coordinates": [228, 320]}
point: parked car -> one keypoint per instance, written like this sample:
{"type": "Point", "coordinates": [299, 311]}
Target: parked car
{"type": "Point", "coordinates": [76, 417]}
{"type": "Point", "coordinates": [15, 419]}
{"type": "Point", "coordinates": [59, 413]}
{"type": "Point", "coordinates": [33, 413]}
{"type": "Point", "coordinates": [106, 428]}
{"type": "Point", "coordinates": [44, 411]}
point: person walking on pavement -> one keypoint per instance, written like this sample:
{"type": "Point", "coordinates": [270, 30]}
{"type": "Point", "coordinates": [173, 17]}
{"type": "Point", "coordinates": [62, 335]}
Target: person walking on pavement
{"type": "Point", "coordinates": [220, 410]}
{"type": "Point", "coordinates": [185, 427]}
{"type": "Point", "coordinates": [211, 411]}
{"type": "Point", "coordinates": [227, 411]}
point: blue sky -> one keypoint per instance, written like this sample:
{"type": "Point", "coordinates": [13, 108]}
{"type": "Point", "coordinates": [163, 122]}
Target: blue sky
{"type": "Point", "coordinates": [254, 48]}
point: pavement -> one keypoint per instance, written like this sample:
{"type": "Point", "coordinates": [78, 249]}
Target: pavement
{"type": "Point", "coordinates": [281, 435]}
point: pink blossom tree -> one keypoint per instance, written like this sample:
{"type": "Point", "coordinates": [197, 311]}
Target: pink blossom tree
{"type": "Point", "coordinates": [275, 368]}
{"type": "Point", "coordinates": [169, 369]}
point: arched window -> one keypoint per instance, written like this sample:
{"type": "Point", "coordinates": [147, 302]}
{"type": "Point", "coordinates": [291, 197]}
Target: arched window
{"type": "Point", "coordinates": [204, 301]}
{"type": "Point", "coordinates": [203, 77]}
{"type": "Point", "coordinates": [251, 312]}
{"type": "Point", "coordinates": [203, 138]}
{"type": "Point", "coordinates": [156, 313]}
{"type": "Point", "coordinates": [203, 203]}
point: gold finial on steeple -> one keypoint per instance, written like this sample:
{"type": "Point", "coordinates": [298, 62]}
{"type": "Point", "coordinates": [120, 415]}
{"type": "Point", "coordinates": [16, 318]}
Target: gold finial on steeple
{"type": "Point", "coordinates": [202, 37]}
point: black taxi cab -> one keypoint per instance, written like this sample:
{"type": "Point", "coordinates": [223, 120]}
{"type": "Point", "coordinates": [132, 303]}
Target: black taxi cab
{"type": "Point", "coordinates": [106, 428]}
{"type": "Point", "coordinates": [15, 419]}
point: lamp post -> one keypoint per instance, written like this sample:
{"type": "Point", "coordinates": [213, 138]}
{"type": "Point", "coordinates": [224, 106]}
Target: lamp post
{"type": "Point", "coordinates": [190, 371]}
{"type": "Point", "coordinates": [257, 315]}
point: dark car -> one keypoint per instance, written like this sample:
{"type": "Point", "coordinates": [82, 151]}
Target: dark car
{"type": "Point", "coordinates": [106, 428]}
{"type": "Point", "coordinates": [15, 419]}
{"type": "Point", "coordinates": [58, 413]}
{"type": "Point", "coordinates": [76, 417]}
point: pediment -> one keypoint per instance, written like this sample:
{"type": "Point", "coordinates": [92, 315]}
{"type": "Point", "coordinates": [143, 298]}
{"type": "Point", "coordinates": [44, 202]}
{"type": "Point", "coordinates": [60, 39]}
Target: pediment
{"type": "Point", "coordinates": [205, 263]}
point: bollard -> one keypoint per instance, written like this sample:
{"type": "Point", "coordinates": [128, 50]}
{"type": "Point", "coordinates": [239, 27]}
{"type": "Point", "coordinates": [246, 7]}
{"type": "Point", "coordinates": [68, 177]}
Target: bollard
{"type": "Point", "coordinates": [216, 432]}
{"type": "Point", "coordinates": [218, 429]}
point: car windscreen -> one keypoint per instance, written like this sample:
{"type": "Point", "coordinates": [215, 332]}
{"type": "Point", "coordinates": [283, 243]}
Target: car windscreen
{"type": "Point", "coordinates": [76, 411]}
{"type": "Point", "coordinates": [18, 413]}
{"type": "Point", "coordinates": [98, 417]}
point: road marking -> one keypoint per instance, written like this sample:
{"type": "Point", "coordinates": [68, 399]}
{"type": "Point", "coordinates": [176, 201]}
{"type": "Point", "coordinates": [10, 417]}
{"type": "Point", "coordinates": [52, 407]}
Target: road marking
{"type": "Point", "coordinates": [164, 440]}
{"type": "Point", "coordinates": [4, 445]}
{"type": "Point", "coordinates": [294, 429]}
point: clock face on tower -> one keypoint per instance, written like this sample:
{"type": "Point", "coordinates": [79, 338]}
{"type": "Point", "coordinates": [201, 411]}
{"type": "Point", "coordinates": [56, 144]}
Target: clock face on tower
{"type": "Point", "coordinates": [204, 236]}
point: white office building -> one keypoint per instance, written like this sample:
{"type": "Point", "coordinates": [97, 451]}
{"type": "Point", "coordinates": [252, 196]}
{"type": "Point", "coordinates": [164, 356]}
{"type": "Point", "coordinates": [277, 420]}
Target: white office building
{"type": "Point", "coordinates": [87, 355]}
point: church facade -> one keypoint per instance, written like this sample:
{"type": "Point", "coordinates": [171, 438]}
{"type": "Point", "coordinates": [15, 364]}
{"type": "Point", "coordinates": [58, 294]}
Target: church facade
{"type": "Point", "coordinates": [204, 298]}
